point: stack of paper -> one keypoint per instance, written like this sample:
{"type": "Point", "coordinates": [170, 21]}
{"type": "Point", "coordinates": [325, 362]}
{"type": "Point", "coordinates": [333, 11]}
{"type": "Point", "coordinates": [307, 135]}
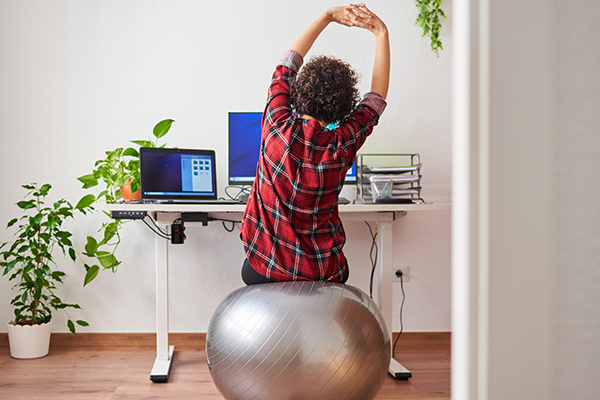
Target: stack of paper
{"type": "Point", "coordinates": [378, 184]}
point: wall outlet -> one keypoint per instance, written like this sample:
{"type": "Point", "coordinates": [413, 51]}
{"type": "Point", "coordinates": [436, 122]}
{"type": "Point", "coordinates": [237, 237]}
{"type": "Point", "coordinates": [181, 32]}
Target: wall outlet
{"type": "Point", "coordinates": [405, 273]}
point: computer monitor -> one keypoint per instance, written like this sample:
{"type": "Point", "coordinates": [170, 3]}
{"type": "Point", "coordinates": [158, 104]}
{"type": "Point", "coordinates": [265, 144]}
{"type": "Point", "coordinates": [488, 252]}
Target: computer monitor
{"type": "Point", "coordinates": [244, 148]}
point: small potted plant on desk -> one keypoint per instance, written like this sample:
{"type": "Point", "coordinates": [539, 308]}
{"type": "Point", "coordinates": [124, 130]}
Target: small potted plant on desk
{"type": "Point", "coordinates": [120, 173]}
{"type": "Point", "coordinates": [30, 262]}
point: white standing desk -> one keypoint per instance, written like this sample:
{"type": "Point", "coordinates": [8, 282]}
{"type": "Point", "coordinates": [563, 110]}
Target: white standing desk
{"type": "Point", "coordinates": [383, 215]}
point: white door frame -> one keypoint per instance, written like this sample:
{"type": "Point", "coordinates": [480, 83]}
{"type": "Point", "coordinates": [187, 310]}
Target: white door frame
{"type": "Point", "coordinates": [502, 238]}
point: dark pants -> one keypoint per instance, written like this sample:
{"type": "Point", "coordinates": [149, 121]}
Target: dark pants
{"type": "Point", "coordinates": [251, 277]}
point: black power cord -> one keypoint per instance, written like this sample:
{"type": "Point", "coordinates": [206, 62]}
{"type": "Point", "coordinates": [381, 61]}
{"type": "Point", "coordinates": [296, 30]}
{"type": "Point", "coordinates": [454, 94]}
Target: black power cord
{"type": "Point", "coordinates": [232, 226]}
{"type": "Point", "coordinates": [398, 273]}
{"type": "Point", "coordinates": [156, 229]}
{"type": "Point", "coordinates": [177, 235]}
{"type": "Point", "coordinates": [401, 308]}
{"type": "Point", "coordinates": [373, 259]}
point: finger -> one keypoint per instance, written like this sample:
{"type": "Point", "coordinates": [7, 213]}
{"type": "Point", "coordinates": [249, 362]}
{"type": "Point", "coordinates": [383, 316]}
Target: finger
{"type": "Point", "coordinates": [352, 18]}
{"type": "Point", "coordinates": [357, 23]}
{"type": "Point", "coordinates": [356, 19]}
{"type": "Point", "coordinates": [366, 10]}
{"type": "Point", "coordinates": [364, 25]}
{"type": "Point", "coordinates": [350, 7]}
{"type": "Point", "coordinates": [362, 9]}
{"type": "Point", "coordinates": [346, 22]}
{"type": "Point", "coordinates": [358, 13]}
{"type": "Point", "coordinates": [361, 22]}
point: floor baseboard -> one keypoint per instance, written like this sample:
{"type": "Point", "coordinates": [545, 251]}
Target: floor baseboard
{"type": "Point", "coordinates": [59, 339]}
{"type": "Point", "coordinates": [423, 339]}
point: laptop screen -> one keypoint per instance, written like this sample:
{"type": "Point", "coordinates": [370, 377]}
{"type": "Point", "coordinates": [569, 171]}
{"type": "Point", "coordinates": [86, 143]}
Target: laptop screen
{"type": "Point", "coordinates": [177, 174]}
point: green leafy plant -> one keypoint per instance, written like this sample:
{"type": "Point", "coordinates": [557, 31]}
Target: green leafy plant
{"type": "Point", "coordinates": [429, 19]}
{"type": "Point", "coordinates": [30, 260]}
{"type": "Point", "coordinates": [120, 166]}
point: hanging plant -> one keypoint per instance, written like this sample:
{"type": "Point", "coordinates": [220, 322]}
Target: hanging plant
{"type": "Point", "coordinates": [430, 14]}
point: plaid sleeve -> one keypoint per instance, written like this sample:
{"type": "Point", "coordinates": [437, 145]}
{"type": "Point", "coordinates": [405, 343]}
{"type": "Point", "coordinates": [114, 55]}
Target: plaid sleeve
{"type": "Point", "coordinates": [375, 102]}
{"type": "Point", "coordinates": [279, 107]}
{"type": "Point", "coordinates": [358, 126]}
{"type": "Point", "coordinates": [291, 59]}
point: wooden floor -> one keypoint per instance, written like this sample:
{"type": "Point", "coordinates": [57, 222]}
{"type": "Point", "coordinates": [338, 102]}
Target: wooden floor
{"type": "Point", "coordinates": [123, 373]}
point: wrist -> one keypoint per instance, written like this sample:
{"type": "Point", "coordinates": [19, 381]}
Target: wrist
{"type": "Point", "coordinates": [327, 15]}
{"type": "Point", "coordinates": [381, 32]}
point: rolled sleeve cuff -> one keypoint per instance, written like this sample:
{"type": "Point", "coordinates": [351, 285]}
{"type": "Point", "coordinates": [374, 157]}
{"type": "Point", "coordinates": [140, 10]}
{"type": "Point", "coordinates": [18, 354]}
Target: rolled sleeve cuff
{"type": "Point", "coordinates": [374, 101]}
{"type": "Point", "coordinates": [292, 59]}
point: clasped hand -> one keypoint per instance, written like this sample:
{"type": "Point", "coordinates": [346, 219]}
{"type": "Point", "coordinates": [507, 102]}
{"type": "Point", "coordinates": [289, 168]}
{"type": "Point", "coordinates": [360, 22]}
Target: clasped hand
{"type": "Point", "coordinates": [357, 15]}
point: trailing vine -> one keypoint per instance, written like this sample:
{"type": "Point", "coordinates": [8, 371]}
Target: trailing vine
{"type": "Point", "coordinates": [120, 166]}
{"type": "Point", "coordinates": [430, 14]}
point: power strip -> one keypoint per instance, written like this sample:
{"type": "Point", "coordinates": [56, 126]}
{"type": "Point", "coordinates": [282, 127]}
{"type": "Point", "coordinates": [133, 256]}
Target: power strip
{"type": "Point", "coordinates": [129, 214]}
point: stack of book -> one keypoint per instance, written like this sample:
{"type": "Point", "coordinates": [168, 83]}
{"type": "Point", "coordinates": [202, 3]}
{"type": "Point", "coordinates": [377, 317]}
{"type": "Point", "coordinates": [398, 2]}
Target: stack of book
{"type": "Point", "coordinates": [400, 183]}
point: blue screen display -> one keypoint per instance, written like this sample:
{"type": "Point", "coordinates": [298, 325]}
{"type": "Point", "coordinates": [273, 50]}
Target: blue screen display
{"type": "Point", "coordinates": [244, 148]}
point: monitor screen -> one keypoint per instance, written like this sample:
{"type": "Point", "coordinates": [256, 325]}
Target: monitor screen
{"type": "Point", "coordinates": [175, 174]}
{"type": "Point", "coordinates": [244, 148]}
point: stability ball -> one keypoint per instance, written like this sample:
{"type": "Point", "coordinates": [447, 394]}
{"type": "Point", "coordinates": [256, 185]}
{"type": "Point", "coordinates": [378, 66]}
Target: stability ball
{"type": "Point", "coordinates": [298, 340]}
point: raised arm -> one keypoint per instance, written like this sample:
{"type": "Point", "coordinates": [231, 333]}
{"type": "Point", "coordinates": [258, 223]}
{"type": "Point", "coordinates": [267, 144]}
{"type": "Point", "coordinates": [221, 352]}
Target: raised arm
{"type": "Point", "coordinates": [350, 15]}
{"type": "Point", "coordinates": [381, 69]}
{"type": "Point", "coordinates": [360, 16]}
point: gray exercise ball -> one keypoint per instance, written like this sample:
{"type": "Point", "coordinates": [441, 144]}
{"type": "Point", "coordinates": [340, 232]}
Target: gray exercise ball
{"type": "Point", "coordinates": [298, 340]}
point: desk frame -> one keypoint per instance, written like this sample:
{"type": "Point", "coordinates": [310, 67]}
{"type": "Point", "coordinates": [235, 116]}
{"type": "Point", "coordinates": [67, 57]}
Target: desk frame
{"type": "Point", "coordinates": [383, 216]}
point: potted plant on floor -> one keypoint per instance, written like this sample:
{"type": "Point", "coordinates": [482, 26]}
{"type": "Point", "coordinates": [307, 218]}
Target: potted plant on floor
{"type": "Point", "coordinates": [29, 261]}
{"type": "Point", "coordinates": [120, 174]}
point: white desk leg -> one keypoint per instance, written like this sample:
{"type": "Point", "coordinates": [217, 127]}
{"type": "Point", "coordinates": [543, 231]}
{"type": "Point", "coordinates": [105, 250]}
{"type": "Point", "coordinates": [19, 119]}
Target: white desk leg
{"type": "Point", "coordinates": [385, 289]}
{"type": "Point", "coordinates": [164, 352]}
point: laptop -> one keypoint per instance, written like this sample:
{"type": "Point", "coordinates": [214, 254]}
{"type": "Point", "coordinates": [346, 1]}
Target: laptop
{"type": "Point", "coordinates": [182, 176]}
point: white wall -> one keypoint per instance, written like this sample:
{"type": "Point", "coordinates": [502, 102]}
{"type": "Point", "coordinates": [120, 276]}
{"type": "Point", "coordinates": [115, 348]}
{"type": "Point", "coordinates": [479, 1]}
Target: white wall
{"type": "Point", "coordinates": [577, 239]}
{"type": "Point", "coordinates": [526, 324]}
{"type": "Point", "coordinates": [78, 78]}
{"type": "Point", "coordinates": [519, 220]}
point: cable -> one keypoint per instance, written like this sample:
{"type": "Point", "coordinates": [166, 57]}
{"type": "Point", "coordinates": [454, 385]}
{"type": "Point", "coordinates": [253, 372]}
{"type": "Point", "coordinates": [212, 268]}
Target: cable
{"type": "Point", "coordinates": [373, 260]}
{"type": "Point", "coordinates": [241, 190]}
{"type": "Point", "coordinates": [157, 227]}
{"type": "Point", "coordinates": [374, 264]}
{"type": "Point", "coordinates": [232, 226]}
{"type": "Point", "coordinates": [226, 220]}
{"type": "Point", "coordinates": [401, 308]}
{"type": "Point", "coordinates": [158, 232]}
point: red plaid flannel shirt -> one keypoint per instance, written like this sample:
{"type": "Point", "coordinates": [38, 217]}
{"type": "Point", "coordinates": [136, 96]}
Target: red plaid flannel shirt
{"type": "Point", "coordinates": [291, 228]}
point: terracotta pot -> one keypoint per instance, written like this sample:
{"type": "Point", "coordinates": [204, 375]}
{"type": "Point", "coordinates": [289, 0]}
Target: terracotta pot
{"type": "Point", "coordinates": [29, 341]}
{"type": "Point", "coordinates": [126, 192]}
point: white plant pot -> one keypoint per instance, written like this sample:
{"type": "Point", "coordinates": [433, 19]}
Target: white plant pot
{"type": "Point", "coordinates": [29, 341]}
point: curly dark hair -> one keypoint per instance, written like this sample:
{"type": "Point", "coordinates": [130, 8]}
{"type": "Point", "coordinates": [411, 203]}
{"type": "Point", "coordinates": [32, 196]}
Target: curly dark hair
{"type": "Point", "coordinates": [325, 89]}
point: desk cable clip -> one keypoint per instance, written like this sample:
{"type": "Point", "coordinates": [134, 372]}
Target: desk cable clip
{"type": "Point", "coordinates": [178, 227]}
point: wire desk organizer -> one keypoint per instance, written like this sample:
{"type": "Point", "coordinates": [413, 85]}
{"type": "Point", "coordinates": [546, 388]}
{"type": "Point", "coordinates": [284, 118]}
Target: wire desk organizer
{"type": "Point", "coordinates": [388, 178]}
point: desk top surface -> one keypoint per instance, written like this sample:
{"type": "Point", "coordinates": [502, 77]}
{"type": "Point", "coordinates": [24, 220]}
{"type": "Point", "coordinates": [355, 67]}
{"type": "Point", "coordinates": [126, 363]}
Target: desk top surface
{"type": "Point", "coordinates": [238, 208]}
